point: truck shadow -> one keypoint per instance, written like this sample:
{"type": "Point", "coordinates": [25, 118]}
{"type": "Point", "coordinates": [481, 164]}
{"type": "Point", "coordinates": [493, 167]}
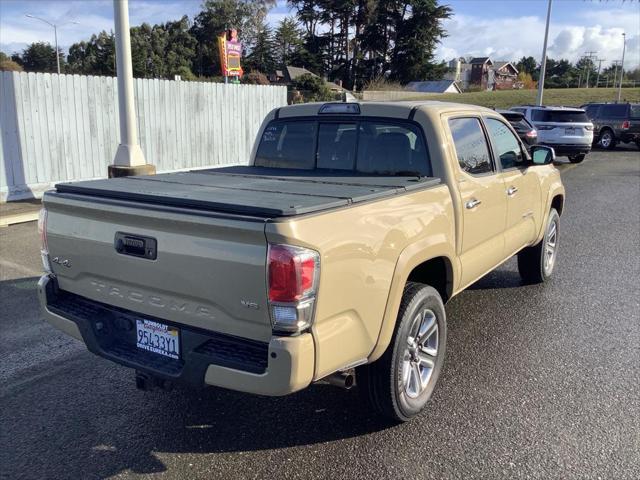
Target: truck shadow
{"type": "Point", "coordinates": [81, 416]}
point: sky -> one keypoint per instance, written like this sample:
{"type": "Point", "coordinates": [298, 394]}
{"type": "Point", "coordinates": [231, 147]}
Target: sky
{"type": "Point", "coordinates": [501, 29]}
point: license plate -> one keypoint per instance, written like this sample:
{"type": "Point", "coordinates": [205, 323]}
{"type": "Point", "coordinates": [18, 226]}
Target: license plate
{"type": "Point", "coordinates": [158, 338]}
{"type": "Point", "coordinates": [569, 131]}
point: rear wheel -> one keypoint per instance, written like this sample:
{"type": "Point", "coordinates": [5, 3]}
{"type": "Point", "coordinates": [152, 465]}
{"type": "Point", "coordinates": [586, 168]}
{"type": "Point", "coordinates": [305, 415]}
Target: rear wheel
{"type": "Point", "coordinates": [536, 263]}
{"type": "Point", "coordinates": [607, 139]}
{"type": "Point", "coordinates": [400, 383]}
{"type": "Point", "coordinates": [577, 158]}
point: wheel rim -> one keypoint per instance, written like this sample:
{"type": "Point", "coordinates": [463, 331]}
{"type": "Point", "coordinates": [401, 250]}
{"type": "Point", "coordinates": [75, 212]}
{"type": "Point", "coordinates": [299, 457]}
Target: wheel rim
{"type": "Point", "coordinates": [605, 141]}
{"type": "Point", "coordinates": [550, 247]}
{"type": "Point", "coordinates": [419, 359]}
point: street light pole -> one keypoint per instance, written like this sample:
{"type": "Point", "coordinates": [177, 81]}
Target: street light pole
{"type": "Point", "coordinates": [129, 159]}
{"type": "Point", "coordinates": [55, 34]}
{"type": "Point", "coordinates": [624, 44]}
{"type": "Point", "coordinates": [543, 65]}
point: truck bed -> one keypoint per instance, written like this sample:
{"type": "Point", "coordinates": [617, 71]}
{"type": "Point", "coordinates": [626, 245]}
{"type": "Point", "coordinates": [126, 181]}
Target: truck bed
{"type": "Point", "coordinates": [248, 190]}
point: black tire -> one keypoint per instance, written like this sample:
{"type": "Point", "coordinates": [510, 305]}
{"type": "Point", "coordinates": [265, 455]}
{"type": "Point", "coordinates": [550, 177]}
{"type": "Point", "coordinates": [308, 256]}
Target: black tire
{"type": "Point", "coordinates": [577, 158]}
{"type": "Point", "coordinates": [531, 260]}
{"type": "Point", "coordinates": [381, 382]}
{"type": "Point", "coordinates": [607, 139]}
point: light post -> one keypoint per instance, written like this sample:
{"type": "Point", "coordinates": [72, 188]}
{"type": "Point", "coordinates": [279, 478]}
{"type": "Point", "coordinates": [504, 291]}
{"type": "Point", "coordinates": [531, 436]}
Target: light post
{"type": "Point", "coordinates": [129, 159]}
{"type": "Point", "coordinates": [55, 34]}
{"type": "Point", "coordinates": [624, 44]}
{"type": "Point", "coordinates": [543, 64]}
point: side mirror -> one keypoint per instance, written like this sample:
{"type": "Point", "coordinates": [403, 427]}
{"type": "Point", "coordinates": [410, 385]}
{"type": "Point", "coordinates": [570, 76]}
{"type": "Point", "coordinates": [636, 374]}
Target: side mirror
{"type": "Point", "coordinates": [542, 155]}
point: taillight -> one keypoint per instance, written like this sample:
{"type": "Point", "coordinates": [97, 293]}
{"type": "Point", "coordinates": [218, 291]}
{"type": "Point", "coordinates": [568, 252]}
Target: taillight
{"type": "Point", "coordinates": [531, 134]}
{"type": "Point", "coordinates": [292, 277]}
{"type": "Point", "coordinates": [626, 125]}
{"type": "Point", "coordinates": [44, 245]}
{"type": "Point", "coordinates": [589, 127]}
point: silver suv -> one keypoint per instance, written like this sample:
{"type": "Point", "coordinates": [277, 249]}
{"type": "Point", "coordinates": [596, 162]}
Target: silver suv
{"type": "Point", "coordinates": [566, 129]}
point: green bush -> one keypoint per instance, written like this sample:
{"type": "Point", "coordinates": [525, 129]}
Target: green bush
{"type": "Point", "coordinates": [314, 89]}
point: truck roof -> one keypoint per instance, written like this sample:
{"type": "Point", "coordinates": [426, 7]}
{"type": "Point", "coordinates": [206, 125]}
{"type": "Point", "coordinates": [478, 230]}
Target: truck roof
{"type": "Point", "coordinates": [401, 109]}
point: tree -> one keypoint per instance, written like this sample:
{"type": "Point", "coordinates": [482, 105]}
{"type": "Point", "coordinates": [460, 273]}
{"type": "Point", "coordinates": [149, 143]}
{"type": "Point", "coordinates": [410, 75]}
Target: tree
{"type": "Point", "coordinates": [95, 57]}
{"type": "Point", "coordinates": [417, 36]}
{"type": "Point", "coordinates": [262, 55]}
{"type": "Point", "coordinates": [528, 65]}
{"type": "Point", "coordinates": [288, 42]}
{"type": "Point", "coordinates": [313, 88]}
{"type": "Point", "coordinates": [39, 57]}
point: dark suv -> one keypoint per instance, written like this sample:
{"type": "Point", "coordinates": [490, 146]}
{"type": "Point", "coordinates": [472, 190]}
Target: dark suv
{"type": "Point", "coordinates": [614, 123]}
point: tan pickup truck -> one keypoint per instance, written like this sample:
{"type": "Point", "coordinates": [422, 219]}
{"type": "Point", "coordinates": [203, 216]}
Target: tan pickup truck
{"type": "Point", "coordinates": [328, 258]}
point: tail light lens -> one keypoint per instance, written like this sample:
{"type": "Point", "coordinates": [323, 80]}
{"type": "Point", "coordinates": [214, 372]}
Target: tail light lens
{"type": "Point", "coordinates": [626, 125]}
{"type": "Point", "coordinates": [292, 276]}
{"type": "Point", "coordinates": [531, 134]}
{"type": "Point", "coordinates": [588, 127]}
{"type": "Point", "coordinates": [44, 246]}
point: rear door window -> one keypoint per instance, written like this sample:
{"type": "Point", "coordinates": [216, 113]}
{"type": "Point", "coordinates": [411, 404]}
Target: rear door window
{"type": "Point", "coordinates": [471, 145]}
{"type": "Point", "coordinates": [614, 111]}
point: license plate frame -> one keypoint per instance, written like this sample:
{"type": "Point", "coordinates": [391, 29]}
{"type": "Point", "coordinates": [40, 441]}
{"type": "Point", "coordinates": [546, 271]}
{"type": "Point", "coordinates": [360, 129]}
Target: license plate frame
{"type": "Point", "coordinates": [158, 338]}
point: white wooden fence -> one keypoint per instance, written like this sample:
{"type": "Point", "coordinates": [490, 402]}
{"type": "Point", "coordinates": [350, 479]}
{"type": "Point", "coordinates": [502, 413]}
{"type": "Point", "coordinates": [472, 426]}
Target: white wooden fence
{"type": "Point", "coordinates": [58, 128]}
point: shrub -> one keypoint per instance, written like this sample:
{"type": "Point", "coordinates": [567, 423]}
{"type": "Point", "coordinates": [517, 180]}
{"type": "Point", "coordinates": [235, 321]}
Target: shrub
{"type": "Point", "coordinates": [256, 78]}
{"type": "Point", "coordinates": [313, 88]}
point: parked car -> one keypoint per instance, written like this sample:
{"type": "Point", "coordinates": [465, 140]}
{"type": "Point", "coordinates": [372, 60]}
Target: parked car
{"type": "Point", "coordinates": [527, 132]}
{"type": "Point", "coordinates": [329, 258]}
{"type": "Point", "coordinates": [567, 130]}
{"type": "Point", "coordinates": [614, 123]}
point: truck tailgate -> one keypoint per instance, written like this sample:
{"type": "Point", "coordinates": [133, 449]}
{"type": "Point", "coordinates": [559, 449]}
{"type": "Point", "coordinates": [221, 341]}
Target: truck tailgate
{"type": "Point", "coordinates": [208, 271]}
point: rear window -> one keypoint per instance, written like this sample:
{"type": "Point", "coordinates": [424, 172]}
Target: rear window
{"type": "Point", "coordinates": [520, 124]}
{"type": "Point", "coordinates": [559, 116]}
{"type": "Point", "coordinates": [634, 111]}
{"type": "Point", "coordinates": [359, 146]}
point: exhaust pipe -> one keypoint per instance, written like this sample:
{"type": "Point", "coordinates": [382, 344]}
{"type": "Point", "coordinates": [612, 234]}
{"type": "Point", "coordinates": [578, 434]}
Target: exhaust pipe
{"type": "Point", "coordinates": [344, 380]}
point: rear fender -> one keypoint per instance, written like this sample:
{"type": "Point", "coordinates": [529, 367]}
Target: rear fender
{"type": "Point", "coordinates": [412, 256]}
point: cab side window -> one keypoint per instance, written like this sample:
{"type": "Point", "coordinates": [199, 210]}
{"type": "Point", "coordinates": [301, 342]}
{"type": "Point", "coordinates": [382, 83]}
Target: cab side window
{"type": "Point", "coordinates": [505, 144]}
{"type": "Point", "coordinates": [471, 145]}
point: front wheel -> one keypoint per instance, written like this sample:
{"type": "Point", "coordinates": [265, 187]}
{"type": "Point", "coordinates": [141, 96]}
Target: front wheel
{"type": "Point", "coordinates": [577, 158]}
{"type": "Point", "coordinates": [400, 383]}
{"type": "Point", "coordinates": [536, 263]}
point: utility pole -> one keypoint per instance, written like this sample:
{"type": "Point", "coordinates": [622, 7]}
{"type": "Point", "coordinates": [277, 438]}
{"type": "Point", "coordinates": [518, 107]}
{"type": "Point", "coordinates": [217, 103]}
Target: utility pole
{"type": "Point", "coordinates": [55, 34]}
{"type": "Point", "coordinates": [615, 72]}
{"type": "Point", "coordinates": [129, 159]}
{"type": "Point", "coordinates": [588, 56]}
{"type": "Point", "coordinates": [543, 64]}
{"type": "Point", "coordinates": [600, 60]}
{"type": "Point", "coordinates": [624, 44]}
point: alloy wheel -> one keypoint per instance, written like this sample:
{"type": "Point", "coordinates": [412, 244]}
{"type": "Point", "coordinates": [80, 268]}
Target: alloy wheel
{"type": "Point", "coordinates": [419, 358]}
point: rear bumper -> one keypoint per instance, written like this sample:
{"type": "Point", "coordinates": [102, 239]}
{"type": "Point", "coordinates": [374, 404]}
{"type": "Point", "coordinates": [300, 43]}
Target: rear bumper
{"type": "Point", "coordinates": [569, 149]}
{"type": "Point", "coordinates": [278, 367]}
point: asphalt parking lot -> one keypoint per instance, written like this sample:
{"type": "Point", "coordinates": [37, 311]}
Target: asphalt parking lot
{"type": "Point", "coordinates": [540, 381]}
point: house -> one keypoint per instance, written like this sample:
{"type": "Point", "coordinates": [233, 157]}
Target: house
{"type": "Point", "coordinates": [482, 72]}
{"type": "Point", "coordinates": [290, 73]}
{"type": "Point", "coordinates": [434, 86]}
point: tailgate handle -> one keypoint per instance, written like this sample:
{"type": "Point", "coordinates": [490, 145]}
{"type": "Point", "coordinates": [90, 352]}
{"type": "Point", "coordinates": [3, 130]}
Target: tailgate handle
{"type": "Point", "coordinates": [136, 245]}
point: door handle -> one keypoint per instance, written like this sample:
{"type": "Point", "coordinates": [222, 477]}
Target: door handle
{"type": "Point", "coordinates": [512, 191]}
{"type": "Point", "coordinates": [472, 203]}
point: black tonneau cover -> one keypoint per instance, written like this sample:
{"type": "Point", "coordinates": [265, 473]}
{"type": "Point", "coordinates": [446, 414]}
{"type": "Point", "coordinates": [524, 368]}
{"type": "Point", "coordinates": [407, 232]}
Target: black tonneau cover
{"type": "Point", "coordinates": [258, 191]}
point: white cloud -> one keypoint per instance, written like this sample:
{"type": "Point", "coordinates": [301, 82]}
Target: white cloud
{"type": "Point", "coordinates": [513, 38]}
